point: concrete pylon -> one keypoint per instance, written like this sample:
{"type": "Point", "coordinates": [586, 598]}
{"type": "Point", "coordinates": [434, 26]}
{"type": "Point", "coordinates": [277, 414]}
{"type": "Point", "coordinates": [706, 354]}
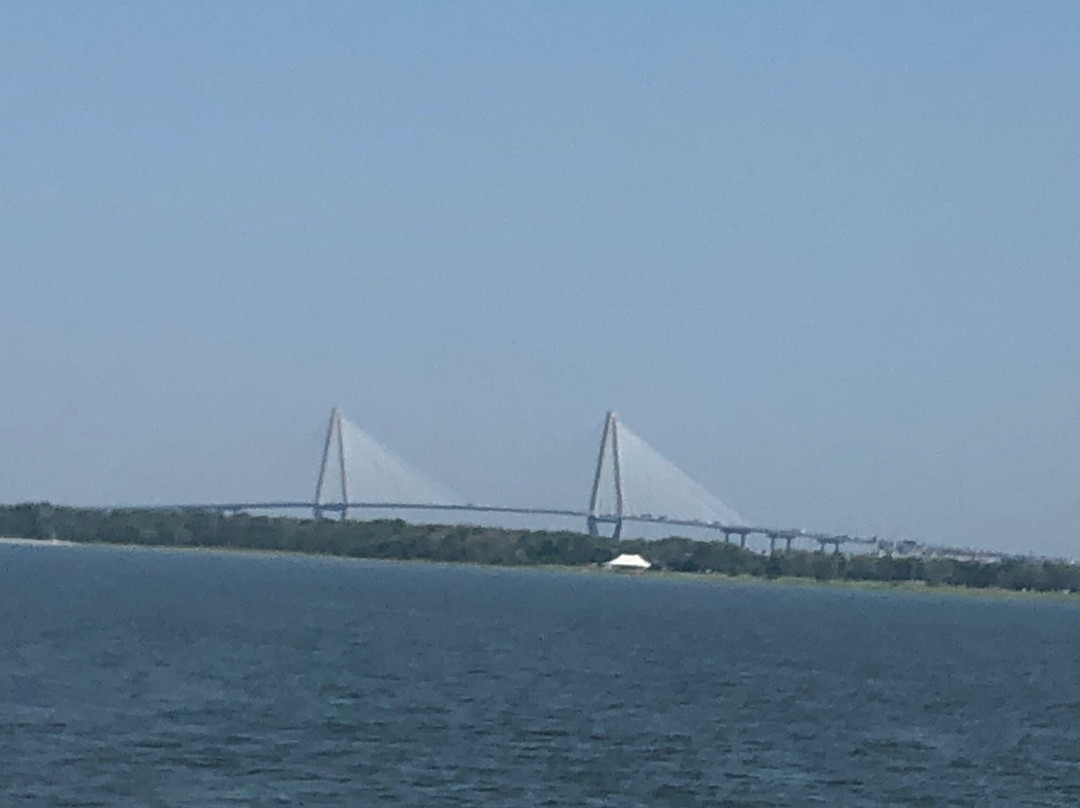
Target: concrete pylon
{"type": "Point", "coordinates": [333, 429]}
{"type": "Point", "coordinates": [610, 438]}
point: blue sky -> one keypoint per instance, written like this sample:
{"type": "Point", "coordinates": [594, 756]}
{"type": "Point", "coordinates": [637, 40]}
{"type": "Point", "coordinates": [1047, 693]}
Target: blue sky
{"type": "Point", "coordinates": [823, 256]}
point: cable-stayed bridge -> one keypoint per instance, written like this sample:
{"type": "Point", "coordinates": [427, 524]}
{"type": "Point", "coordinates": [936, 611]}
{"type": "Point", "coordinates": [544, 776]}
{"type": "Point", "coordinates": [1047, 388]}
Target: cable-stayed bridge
{"type": "Point", "coordinates": [632, 482]}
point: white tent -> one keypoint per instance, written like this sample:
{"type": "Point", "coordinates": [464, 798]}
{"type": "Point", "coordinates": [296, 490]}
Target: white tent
{"type": "Point", "coordinates": [628, 561]}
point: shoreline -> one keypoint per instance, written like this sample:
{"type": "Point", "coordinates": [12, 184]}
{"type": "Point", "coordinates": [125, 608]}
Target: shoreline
{"type": "Point", "coordinates": [914, 587]}
{"type": "Point", "coordinates": [16, 540]}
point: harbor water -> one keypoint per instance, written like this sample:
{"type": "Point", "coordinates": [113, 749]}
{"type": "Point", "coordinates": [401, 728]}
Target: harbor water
{"type": "Point", "coordinates": [138, 677]}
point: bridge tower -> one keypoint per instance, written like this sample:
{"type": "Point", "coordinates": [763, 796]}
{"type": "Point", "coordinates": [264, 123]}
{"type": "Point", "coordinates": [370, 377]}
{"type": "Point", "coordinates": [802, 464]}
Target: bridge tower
{"type": "Point", "coordinates": [333, 429]}
{"type": "Point", "coordinates": [609, 440]}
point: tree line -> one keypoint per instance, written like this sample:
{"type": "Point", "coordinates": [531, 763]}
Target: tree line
{"type": "Point", "coordinates": [396, 539]}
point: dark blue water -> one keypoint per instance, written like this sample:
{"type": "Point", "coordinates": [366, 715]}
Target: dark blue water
{"type": "Point", "coordinates": [152, 678]}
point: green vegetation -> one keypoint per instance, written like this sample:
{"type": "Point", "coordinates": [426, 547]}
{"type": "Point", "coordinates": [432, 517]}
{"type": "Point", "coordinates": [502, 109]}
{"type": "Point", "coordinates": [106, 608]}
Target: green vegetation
{"type": "Point", "coordinates": [481, 545]}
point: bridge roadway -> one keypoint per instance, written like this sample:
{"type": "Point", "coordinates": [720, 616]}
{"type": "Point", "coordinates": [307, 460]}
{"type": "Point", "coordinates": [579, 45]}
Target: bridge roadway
{"type": "Point", "coordinates": [773, 534]}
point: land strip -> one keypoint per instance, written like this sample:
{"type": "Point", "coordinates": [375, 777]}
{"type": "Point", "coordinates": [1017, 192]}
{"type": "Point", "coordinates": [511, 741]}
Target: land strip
{"type": "Point", "coordinates": [396, 539]}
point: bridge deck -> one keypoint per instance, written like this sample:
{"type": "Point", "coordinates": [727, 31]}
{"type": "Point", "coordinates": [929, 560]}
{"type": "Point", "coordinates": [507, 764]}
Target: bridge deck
{"type": "Point", "coordinates": [740, 530]}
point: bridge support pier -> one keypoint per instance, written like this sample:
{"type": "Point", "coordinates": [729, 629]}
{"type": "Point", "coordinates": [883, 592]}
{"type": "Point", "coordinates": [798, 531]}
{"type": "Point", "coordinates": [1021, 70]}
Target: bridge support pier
{"type": "Point", "coordinates": [742, 540]}
{"type": "Point", "coordinates": [593, 525]}
{"type": "Point", "coordinates": [787, 545]}
{"type": "Point", "coordinates": [772, 545]}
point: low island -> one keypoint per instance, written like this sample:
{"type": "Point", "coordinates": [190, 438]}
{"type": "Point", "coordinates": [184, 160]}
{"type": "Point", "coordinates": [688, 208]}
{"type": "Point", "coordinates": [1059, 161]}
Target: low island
{"type": "Point", "coordinates": [397, 539]}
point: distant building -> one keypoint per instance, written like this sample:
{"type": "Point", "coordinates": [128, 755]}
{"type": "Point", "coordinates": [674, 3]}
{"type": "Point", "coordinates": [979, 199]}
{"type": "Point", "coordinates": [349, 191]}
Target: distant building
{"type": "Point", "coordinates": [628, 561]}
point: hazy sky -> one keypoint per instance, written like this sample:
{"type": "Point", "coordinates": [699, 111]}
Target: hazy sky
{"type": "Point", "coordinates": [823, 256]}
